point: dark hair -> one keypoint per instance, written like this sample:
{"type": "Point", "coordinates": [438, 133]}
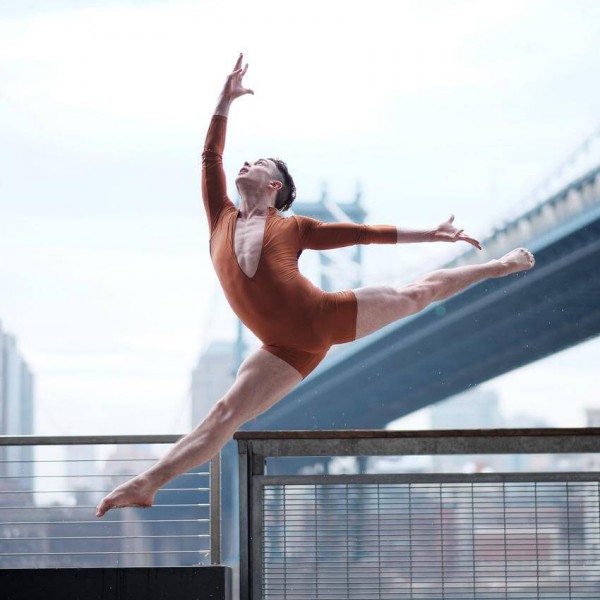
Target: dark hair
{"type": "Point", "coordinates": [287, 194]}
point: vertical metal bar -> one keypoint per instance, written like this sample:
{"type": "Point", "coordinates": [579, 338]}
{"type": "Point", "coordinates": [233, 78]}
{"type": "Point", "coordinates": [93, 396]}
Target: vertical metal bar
{"type": "Point", "coordinates": [568, 509]}
{"type": "Point", "coordinates": [257, 539]}
{"type": "Point", "coordinates": [316, 515]}
{"type": "Point", "coordinates": [442, 553]}
{"type": "Point", "coordinates": [285, 545]}
{"type": "Point", "coordinates": [410, 543]}
{"type": "Point", "coordinates": [379, 508]}
{"type": "Point", "coordinates": [537, 543]}
{"type": "Point", "coordinates": [505, 538]}
{"type": "Point", "coordinates": [215, 509]}
{"type": "Point", "coordinates": [473, 548]}
{"type": "Point", "coordinates": [348, 544]}
{"type": "Point", "coordinates": [245, 570]}
{"type": "Point", "coordinates": [256, 522]}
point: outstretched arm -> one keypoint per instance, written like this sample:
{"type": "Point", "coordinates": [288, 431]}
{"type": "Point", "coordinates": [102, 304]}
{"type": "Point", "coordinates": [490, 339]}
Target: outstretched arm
{"type": "Point", "coordinates": [214, 185]}
{"type": "Point", "coordinates": [316, 235]}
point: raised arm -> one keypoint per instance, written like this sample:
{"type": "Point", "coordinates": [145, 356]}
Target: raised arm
{"type": "Point", "coordinates": [214, 185]}
{"type": "Point", "coordinates": [316, 235]}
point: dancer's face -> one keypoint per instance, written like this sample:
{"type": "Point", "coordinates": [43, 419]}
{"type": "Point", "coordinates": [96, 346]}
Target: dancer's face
{"type": "Point", "coordinates": [259, 173]}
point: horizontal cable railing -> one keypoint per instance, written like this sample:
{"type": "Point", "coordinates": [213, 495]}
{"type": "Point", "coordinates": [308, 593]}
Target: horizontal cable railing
{"type": "Point", "coordinates": [532, 532]}
{"type": "Point", "coordinates": [50, 487]}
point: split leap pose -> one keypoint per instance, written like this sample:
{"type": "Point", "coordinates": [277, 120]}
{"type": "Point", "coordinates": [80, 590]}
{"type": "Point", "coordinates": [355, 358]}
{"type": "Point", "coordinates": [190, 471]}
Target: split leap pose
{"type": "Point", "coordinates": [255, 253]}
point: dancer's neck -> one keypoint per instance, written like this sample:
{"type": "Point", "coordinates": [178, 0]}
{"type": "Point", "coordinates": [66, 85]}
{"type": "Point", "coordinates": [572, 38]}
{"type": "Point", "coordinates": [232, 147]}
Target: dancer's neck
{"type": "Point", "coordinates": [254, 205]}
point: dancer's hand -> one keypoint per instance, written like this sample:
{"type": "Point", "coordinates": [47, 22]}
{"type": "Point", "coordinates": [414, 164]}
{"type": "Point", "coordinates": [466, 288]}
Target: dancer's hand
{"type": "Point", "coordinates": [446, 232]}
{"type": "Point", "coordinates": [233, 87]}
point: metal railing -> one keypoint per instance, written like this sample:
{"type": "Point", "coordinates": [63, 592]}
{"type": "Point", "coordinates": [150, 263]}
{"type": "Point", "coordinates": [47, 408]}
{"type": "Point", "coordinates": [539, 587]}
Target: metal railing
{"type": "Point", "coordinates": [49, 489]}
{"type": "Point", "coordinates": [417, 535]}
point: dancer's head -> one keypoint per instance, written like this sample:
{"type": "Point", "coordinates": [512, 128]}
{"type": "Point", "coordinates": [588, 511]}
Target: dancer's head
{"type": "Point", "coordinates": [269, 175]}
{"type": "Point", "coordinates": [287, 194]}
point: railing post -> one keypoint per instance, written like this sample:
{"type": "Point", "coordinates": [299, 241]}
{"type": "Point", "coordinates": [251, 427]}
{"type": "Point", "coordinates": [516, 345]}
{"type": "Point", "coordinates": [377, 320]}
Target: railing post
{"type": "Point", "coordinates": [245, 503]}
{"type": "Point", "coordinates": [215, 509]}
{"type": "Point", "coordinates": [255, 515]}
{"type": "Point", "coordinates": [251, 464]}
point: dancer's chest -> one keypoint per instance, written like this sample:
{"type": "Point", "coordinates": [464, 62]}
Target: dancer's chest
{"type": "Point", "coordinates": [248, 241]}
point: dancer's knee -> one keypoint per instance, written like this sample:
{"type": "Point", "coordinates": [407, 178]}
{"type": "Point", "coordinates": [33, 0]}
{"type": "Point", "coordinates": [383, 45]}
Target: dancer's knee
{"type": "Point", "coordinates": [226, 415]}
{"type": "Point", "coordinates": [237, 406]}
{"type": "Point", "coordinates": [420, 294]}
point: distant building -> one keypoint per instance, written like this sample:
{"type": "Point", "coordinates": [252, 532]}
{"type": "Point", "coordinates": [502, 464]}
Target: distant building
{"type": "Point", "coordinates": [82, 474]}
{"type": "Point", "coordinates": [592, 417]}
{"type": "Point", "coordinates": [16, 410]}
{"type": "Point", "coordinates": [532, 462]}
{"type": "Point", "coordinates": [480, 409]}
{"type": "Point", "coordinates": [474, 409]}
{"type": "Point", "coordinates": [212, 377]}
{"type": "Point", "coordinates": [591, 462]}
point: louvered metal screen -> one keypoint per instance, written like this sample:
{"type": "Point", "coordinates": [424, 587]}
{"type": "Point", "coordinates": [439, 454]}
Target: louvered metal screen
{"type": "Point", "coordinates": [419, 536]}
{"type": "Point", "coordinates": [431, 539]}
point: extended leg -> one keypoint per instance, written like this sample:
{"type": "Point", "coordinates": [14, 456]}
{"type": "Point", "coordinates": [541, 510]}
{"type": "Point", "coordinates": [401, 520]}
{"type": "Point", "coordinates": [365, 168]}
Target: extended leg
{"type": "Point", "coordinates": [379, 306]}
{"type": "Point", "coordinates": [262, 380]}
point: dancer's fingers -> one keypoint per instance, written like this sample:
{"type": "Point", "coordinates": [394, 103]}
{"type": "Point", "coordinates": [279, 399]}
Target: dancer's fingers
{"type": "Point", "coordinates": [245, 69]}
{"type": "Point", "coordinates": [101, 508]}
{"type": "Point", "coordinates": [472, 241]}
{"type": "Point", "coordinates": [238, 62]}
{"type": "Point", "coordinates": [451, 219]}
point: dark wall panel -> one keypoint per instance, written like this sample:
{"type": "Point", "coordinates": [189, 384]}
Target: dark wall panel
{"type": "Point", "coordinates": [163, 583]}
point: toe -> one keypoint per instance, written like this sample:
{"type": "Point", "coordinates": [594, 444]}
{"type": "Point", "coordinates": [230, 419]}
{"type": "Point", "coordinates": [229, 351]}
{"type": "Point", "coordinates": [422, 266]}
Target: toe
{"type": "Point", "coordinates": [102, 508]}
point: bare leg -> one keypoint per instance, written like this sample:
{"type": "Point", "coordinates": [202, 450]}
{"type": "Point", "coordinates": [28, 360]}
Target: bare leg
{"type": "Point", "coordinates": [379, 306]}
{"type": "Point", "coordinates": [262, 380]}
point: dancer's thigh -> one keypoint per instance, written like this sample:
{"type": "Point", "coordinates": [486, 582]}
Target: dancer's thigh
{"type": "Point", "coordinates": [262, 380]}
{"type": "Point", "coordinates": [378, 306]}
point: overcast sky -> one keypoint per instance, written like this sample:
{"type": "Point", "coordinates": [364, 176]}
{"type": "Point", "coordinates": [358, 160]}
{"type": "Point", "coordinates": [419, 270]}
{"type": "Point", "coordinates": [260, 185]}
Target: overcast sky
{"type": "Point", "coordinates": [432, 107]}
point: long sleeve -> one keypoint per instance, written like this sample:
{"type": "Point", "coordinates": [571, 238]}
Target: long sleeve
{"type": "Point", "coordinates": [214, 185]}
{"type": "Point", "coordinates": [316, 235]}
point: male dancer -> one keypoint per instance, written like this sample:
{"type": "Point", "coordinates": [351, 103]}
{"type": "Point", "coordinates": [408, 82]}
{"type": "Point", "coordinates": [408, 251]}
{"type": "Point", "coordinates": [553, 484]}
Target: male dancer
{"type": "Point", "coordinates": [255, 253]}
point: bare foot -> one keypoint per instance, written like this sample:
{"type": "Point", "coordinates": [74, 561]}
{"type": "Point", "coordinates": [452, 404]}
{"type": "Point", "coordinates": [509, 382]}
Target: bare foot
{"type": "Point", "coordinates": [516, 260]}
{"type": "Point", "coordinates": [135, 492]}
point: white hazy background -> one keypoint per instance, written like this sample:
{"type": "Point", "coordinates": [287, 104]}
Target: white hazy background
{"type": "Point", "coordinates": [431, 107]}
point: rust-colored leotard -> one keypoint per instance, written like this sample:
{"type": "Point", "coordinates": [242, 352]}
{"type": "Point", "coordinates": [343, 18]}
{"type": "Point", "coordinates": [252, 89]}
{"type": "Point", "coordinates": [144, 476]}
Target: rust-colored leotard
{"type": "Point", "coordinates": [295, 320]}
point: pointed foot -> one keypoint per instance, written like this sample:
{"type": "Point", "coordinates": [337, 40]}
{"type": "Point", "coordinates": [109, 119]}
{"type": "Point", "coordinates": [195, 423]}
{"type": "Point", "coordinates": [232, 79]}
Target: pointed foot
{"type": "Point", "coordinates": [136, 492]}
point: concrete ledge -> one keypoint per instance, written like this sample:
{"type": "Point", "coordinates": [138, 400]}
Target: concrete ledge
{"type": "Point", "coordinates": [131, 583]}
